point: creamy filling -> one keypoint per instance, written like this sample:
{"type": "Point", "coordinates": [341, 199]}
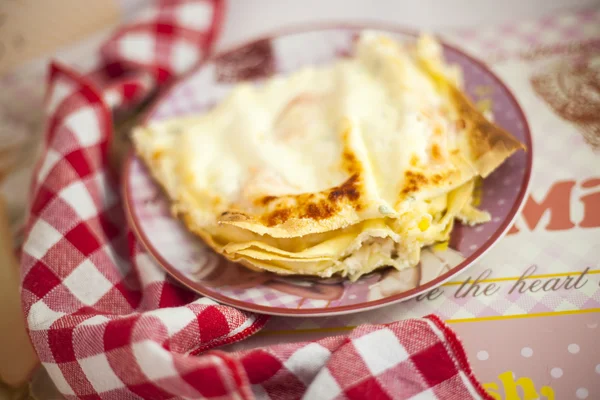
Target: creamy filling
{"type": "Point", "coordinates": [374, 253]}
{"type": "Point", "coordinates": [377, 252]}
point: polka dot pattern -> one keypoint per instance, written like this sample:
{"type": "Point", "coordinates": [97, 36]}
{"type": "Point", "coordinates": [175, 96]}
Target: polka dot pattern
{"type": "Point", "coordinates": [526, 352]}
{"type": "Point", "coordinates": [557, 353]}
{"type": "Point", "coordinates": [573, 348]}
{"type": "Point", "coordinates": [556, 372]}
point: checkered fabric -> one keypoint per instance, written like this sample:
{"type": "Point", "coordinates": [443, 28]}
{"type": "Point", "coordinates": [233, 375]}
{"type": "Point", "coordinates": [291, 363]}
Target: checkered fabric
{"type": "Point", "coordinates": [108, 323]}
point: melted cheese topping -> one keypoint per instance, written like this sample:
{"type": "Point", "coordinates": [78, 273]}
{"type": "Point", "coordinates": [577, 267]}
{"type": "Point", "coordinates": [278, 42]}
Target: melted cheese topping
{"type": "Point", "coordinates": [338, 169]}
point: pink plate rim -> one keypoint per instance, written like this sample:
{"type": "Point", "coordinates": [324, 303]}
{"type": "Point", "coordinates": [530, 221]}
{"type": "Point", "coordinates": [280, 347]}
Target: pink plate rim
{"type": "Point", "coordinates": [369, 305]}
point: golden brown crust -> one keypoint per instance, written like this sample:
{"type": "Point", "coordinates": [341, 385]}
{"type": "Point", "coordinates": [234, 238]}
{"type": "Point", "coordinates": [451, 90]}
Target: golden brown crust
{"type": "Point", "coordinates": [489, 144]}
{"type": "Point", "coordinates": [315, 206]}
{"type": "Point", "coordinates": [305, 213]}
{"type": "Point", "coordinates": [298, 226]}
{"type": "Point", "coordinates": [306, 209]}
{"type": "Point", "coordinates": [337, 207]}
{"type": "Point", "coordinates": [426, 183]}
{"type": "Point", "coordinates": [249, 262]}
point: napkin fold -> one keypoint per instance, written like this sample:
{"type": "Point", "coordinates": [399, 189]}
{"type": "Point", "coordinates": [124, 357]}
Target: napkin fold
{"type": "Point", "coordinates": [106, 320]}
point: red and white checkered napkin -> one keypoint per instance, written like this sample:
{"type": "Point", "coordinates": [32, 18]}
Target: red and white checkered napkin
{"type": "Point", "coordinates": [108, 323]}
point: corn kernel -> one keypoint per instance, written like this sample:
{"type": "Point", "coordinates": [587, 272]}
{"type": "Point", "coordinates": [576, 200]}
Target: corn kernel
{"type": "Point", "coordinates": [424, 224]}
{"type": "Point", "coordinates": [442, 246]}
